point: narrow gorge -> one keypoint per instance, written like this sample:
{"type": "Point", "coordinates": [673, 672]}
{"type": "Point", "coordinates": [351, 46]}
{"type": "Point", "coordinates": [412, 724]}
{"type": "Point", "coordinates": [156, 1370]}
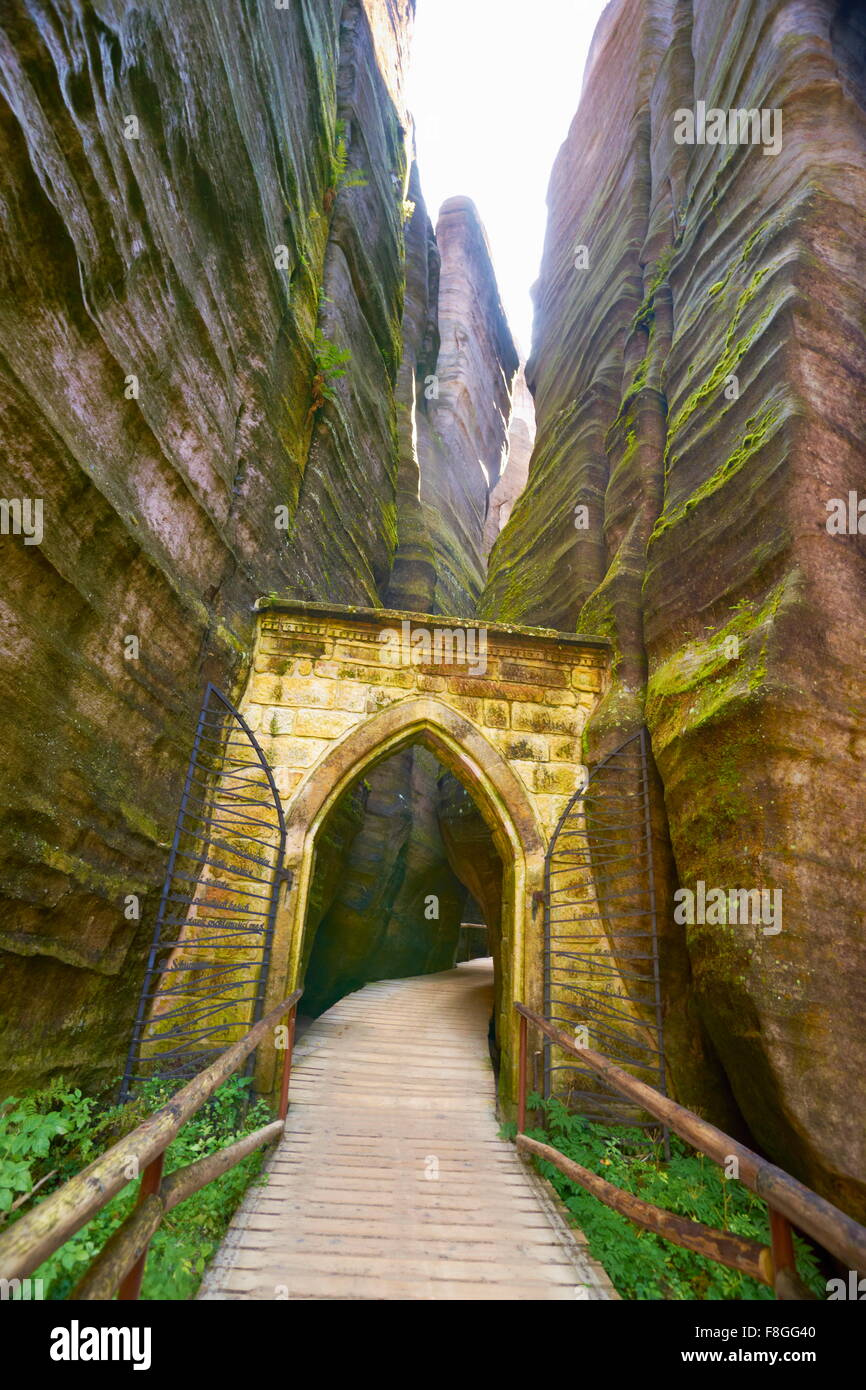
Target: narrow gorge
{"type": "Point", "coordinates": [272, 408]}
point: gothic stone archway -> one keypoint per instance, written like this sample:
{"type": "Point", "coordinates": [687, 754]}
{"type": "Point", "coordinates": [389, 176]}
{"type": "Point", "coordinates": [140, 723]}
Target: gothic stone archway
{"type": "Point", "coordinates": [335, 690]}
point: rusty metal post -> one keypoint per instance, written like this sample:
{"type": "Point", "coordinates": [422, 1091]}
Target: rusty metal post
{"type": "Point", "coordinates": [521, 1084]}
{"type": "Point", "coordinates": [287, 1063]}
{"type": "Point", "coordinates": [151, 1180]}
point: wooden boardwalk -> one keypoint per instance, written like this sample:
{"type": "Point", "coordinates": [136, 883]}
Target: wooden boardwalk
{"type": "Point", "coordinates": [391, 1181]}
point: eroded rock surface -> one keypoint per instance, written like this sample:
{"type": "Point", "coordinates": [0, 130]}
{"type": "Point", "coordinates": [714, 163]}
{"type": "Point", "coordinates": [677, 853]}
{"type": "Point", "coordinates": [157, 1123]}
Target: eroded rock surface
{"type": "Point", "coordinates": [452, 409]}
{"type": "Point", "coordinates": [463, 430]}
{"type": "Point", "coordinates": [150, 257]}
{"type": "Point", "coordinates": [512, 481]}
{"type": "Point", "coordinates": [698, 379]}
{"type": "Point", "coordinates": [217, 302]}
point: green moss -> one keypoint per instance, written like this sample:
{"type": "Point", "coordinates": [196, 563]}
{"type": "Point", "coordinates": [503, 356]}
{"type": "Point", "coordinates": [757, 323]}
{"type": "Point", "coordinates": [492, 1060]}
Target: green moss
{"type": "Point", "coordinates": [138, 819]}
{"type": "Point", "coordinates": [624, 463]}
{"type": "Point", "coordinates": [754, 238]}
{"type": "Point", "coordinates": [645, 315]}
{"type": "Point", "coordinates": [725, 367]}
{"type": "Point", "coordinates": [735, 347]}
{"type": "Point", "coordinates": [700, 683]}
{"type": "Point", "coordinates": [598, 614]}
{"type": "Point", "coordinates": [638, 381]}
{"type": "Point", "coordinates": [745, 298]}
{"type": "Point", "coordinates": [758, 431]}
{"type": "Point", "coordinates": [229, 640]}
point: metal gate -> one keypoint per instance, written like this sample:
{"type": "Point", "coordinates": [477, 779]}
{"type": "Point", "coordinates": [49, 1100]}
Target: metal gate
{"type": "Point", "coordinates": [208, 964]}
{"type": "Point", "coordinates": [601, 966]}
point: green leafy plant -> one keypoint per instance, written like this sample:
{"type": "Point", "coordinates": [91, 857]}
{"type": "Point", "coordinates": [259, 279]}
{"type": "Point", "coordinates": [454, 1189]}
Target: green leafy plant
{"type": "Point", "coordinates": [330, 360]}
{"type": "Point", "coordinates": [331, 363]}
{"type": "Point", "coordinates": [642, 1265]}
{"type": "Point", "coordinates": [341, 175]}
{"type": "Point", "coordinates": [48, 1136]}
{"type": "Point", "coordinates": [44, 1134]}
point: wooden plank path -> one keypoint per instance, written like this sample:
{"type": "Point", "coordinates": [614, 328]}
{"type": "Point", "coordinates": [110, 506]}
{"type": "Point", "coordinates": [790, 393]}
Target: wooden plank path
{"type": "Point", "coordinates": [391, 1181]}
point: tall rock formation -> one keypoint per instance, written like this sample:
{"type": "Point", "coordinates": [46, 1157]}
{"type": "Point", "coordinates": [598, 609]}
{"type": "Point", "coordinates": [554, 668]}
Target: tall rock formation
{"type": "Point", "coordinates": [175, 202]}
{"type": "Point", "coordinates": [203, 259]}
{"type": "Point", "coordinates": [453, 407]}
{"type": "Point", "coordinates": [166, 173]}
{"type": "Point", "coordinates": [512, 481]}
{"type": "Point", "coordinates": [464, 431]}
{"type": "Point", "coordinates": [698, 374]}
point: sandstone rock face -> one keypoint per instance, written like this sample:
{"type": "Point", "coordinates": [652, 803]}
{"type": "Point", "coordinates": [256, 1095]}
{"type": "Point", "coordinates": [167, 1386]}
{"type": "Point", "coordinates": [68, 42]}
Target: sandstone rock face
{"type": "Point", "coordinates": [698, 377]}
{"type": "Point", "coordinates": [207, 276]}
{"type": "Point", "coordinates": [413, 575]}
{"type": "Point", "coordinates": [452, 408]}
{"type": "Point", "coordinates": [372, 925]}
{"type": "Point", "coordinates": [521, 441]}
{"type": "Point", "coordinates": [150, 257]}
{"type": "Point", "coordinates": [463, 432]}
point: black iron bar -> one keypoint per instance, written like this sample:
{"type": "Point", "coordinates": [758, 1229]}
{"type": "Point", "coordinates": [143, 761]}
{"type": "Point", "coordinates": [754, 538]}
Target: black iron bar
{"type": "Point", "coordinates": [600, 890]}
{"type": "Point", "coordinates": [227, 778]}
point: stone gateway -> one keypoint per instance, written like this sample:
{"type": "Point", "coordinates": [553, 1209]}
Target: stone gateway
{"type": "Point", "coordinates": [327, 703]}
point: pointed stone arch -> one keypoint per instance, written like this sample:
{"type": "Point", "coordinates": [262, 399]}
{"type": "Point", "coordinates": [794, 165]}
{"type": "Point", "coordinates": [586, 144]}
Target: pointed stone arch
{"type": "Point", "coordinates": [500, 796]}
{"type": "Point", "coordinates": [458, 743]}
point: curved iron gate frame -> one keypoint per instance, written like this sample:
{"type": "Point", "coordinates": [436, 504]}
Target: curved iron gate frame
{"type": "Point", "coordinates": [629, 865]}
{"type": "Point", "coordinates": [213, 698]}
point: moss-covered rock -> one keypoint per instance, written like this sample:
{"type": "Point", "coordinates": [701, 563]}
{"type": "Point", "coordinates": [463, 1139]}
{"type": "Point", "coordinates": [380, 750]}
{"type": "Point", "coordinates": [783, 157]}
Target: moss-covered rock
{"type": "Point", "coordinates": [196, 253]}
{"type": "Point", "coordinates": [217, 319]}
{"type": "Point", "coordinates": [695, 390]}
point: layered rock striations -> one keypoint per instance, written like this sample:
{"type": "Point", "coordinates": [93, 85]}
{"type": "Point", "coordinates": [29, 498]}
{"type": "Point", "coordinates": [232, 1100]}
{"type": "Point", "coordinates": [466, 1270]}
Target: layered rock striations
{"type": "Point", "coordinates": [156, 371]}
{"type": "Point", "coordinates": [209, 264]}
{"type": "Point", "coordinates": [403, 882]}
{"type": "Point", "coordinates": [512, 481]}
{"type": "Point", "coordinates": [463, 429]}
{"type": "Point", "coordinates": [698, 374]}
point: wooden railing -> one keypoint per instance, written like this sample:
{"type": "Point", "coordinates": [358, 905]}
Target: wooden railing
{"type": "Point", "coordinates": [790, 1202]}
{"type": "Point", "coordinates": [119, 1268]}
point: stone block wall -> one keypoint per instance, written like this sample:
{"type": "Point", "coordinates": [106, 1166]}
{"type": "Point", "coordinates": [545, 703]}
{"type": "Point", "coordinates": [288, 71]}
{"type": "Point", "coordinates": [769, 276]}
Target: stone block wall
{"type": "Point", "coordinates": [320, 671]}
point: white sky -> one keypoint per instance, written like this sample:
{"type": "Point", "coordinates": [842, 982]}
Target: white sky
{"type": "Point", "coordinates": [493, 89]}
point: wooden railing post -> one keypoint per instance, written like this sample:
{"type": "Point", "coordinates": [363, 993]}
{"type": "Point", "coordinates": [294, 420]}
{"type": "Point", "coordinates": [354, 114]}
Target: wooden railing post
{"type": "Point", "coordinates": [782, 1238]}
{"type": "Point", "coordinates": [789, 1200]}
{"type": "Point", "coordinates": [52, 1222]}
{"type": "Point", "coordinates": [787, 1283]}
{"type": "Point", "coordinates": [151, 1178]}
{"type": "Point", "coordinates": [287, 1062]}
{"type": "Point", "coordinates": [521, 1083]}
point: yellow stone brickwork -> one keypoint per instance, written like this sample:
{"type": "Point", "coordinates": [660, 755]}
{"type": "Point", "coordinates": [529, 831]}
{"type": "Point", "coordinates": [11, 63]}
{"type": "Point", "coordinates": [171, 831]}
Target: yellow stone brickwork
{"type": "Point", "coordinates": [334, 690]}
{"type": "Point", "coordinates": [319, 672]}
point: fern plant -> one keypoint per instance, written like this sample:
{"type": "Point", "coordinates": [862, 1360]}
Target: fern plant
{"type": "Point", "coordinates": [331, 363]}
{"type": "Point", "coordinates": [49, 1135]}
{"type": "Point", "coordinates": [341, 176]}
